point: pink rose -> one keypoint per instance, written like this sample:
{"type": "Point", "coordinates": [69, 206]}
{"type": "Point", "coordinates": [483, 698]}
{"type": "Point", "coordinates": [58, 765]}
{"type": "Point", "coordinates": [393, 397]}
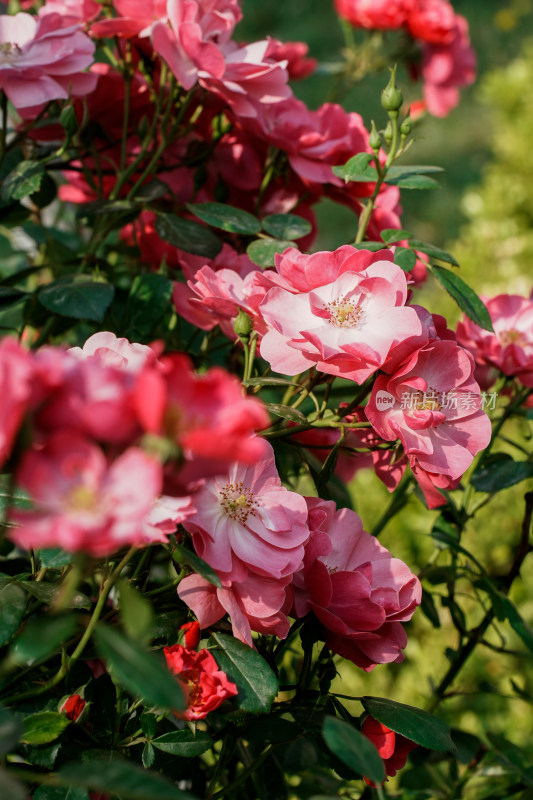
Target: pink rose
{"type": "Point", "coordinates": [431, 21]}
{"type": "Point", "coordinates": [379, 14]}
{"type": "Point", "coordinates": [356, 590]}
{"type": "Point", "coordinates": [510, 348]}
{"type": "Point", "coordinates": [16, 374]}
{"type": "Point", "coordinates": [392, 747]}
{"type": "Point", "coordinates": [447, 67]}
{"type": "Point", "coordinates": [433, 405]}
{"type": "Point", "coordinates": [82, 501]}
{"type": "Point", "coordinates": [346, 328]}
{"type": "Point", "coordinates": [207, 686]}
{"type": "Point", "coordinates": [41, 60]}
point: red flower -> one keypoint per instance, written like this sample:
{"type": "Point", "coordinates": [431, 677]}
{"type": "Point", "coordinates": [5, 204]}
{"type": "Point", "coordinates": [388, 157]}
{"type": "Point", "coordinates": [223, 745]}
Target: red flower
{"type": "Point", "coordinates": [191, 634]}
{"type": "Point", "coordinates": [207, 685]}
{"type": "Point", "coordinates": [392, 747]}
{"type": "Point", "coordinates": [73, 706]}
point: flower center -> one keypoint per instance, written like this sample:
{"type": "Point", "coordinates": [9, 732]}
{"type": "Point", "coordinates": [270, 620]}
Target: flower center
{"type": "Point", "coordinates": [9, 51]}
{"type": "Point", "coordinates": [237, 501]}
{"type": "Point", "coordinates": [426, 401]}
{"type": "Point", "coordinates": [344, 313]}
{"type": "Point", "coordinates": [82, 498]}
{"type": "Point", "coordinates": [512, 337]}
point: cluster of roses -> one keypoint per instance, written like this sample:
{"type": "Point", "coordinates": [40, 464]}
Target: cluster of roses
{"type": "Point", "coordinates": [447, 61]}
{"type": "Point", "coordinates": [224, 119]}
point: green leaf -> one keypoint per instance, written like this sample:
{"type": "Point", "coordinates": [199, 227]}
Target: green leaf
{"type": "Point", "coordinates": [262, 252]}
{"type": "Point", "coordinates": [60, 793]}
{"type": "Point", "coordinates": [433, 252]}
{"type": "Point", "coordinates": [11, 789]}
{"type": "Point", "coordinates": [138, 671]}
{"type": "Point", "coordinates": [55, 557]}
{"type": "Point", "coordinates": [391, 235]}
{"type": "Point", "coordinates": [405, 258]}
{"type": "Point", "coordinates": [412, 182]}
{"type": "Point", "coordinates": [136, 612]}
{"type": "Point", "coordinates": [286, 226]}
{"type": "Point", "coordinates": [78, 297]}
{"type": "Point", "coordinates": [45, 592]}
{"type": "Point", "coordinates": [199, 565]}
{"type": "Point", "coordinates": [358, 169]}
{"type": "Point", "coordinates": [148, 724]}
{"type": "Point", "coordinates": [22, 181]}
{"type": "Point", "coordinates": [10, 730]}
{"type": "Point", "coordinates": [184, 743]}
{"type": "Point", "coordinates": [255, 681]}
{"type": "Point", "coordinates": [12, 608]}
{"type": "Point", "coordinates": [41, 636]}
{"type": "Point", "coordinates": [9, 296]}
{"type": "Point", "coordinates": [465, 297]}
{"type": "Point", "coordinates": [501, 473]}
{"type": "Point", "coordinates": [412, 169]}
{"type": "Point", "coordinates": [516, 622]}
{"type": "Point", "coordinates": [413, 723]}
{"type": "Point", "coordinates": [353, 749]}
{"type": "Point", "coordinates": [373, 247]}
{"type": "Point", "coordinates": [148, 755]}
{"type": "Point", "coordinates": [43, 727]}
{"type": "Point", "coordinates": [286, 412]}
{"type": "Point", "coordinates": [147, 304]}
{"type": "Point", "coordinates": [228, 218]}
{"type": "Point", "coordinates": [188, 235]}
{"type": "Point", "coordinates": [123, 778]}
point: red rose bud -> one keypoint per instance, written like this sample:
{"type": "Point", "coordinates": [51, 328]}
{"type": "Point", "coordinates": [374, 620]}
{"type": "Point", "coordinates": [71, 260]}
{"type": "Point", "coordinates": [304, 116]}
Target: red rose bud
{"type": "Point", "coordinates": [73, 706]}
{"type": "Point", "coordinates": [392, 747]}
{"type": "Point", "coordinates": [191, 637]}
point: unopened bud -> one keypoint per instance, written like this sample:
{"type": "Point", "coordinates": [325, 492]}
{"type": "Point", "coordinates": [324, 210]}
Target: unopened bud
{"type": "Point", "coordinates": [407, 125]}
{"type": "Point", "coordinates": [391, 96]}
{"type": "Point", "coordinates": [374, 140]}
{"type": "Point", "coordinates": [243, 325]}
{"type": "Point", "coordinates": [387, 134]}
{"type": "Point", "coordinates": [191, 634]}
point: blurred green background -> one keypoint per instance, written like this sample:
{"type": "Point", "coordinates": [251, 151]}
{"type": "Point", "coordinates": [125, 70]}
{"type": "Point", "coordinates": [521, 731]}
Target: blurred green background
{"type": "Point", "coordinates": [483, 214]}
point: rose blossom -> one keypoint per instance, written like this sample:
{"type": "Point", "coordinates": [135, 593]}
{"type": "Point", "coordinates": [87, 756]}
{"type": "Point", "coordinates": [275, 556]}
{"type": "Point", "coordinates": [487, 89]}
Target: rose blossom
{"type": "Point", "coordinates": [447, 67]}
{"type": "Point", "coordinates": [41, 61]}
{"type": "Point", "coordinates": [81, 501]}
{"type": "Point", "coordinates": [379, 14]}
{"type": "Point", "coordinates": [253, 604]}
{"type": "Point", "coordinates": [114, 352]}
{"type": "Point", "coordinates": [345, 328]}
{"type": "Point", "coordinates": [510, 348]}
{"type": "Point", "coordinates": [392, 747]}
{"type": "Point", "coordinates": [431, 21]}
{"type": "Point", "coordinates": [358, 592]}
{"type": "Point", "coordinates": [433, 405]}
{"type": "Point", "coordinates": [207, 685]}
{"type": "Point", "coordinates": [16, 372]}
{"type": "Point", "coordinates": [247, 521]}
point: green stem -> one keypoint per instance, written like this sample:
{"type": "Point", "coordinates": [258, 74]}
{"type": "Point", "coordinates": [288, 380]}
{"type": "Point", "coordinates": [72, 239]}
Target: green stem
{"type": "Point", "coordinates": [245, 774]}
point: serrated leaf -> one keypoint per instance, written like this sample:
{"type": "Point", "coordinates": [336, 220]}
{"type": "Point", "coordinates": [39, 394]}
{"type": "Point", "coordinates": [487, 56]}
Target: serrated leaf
{"type": "Point", "coordinates": [138, 671]}
{"type": "Point", "coordinates": [263, 251]}
{"type": "Point", "coordinates": [136, 612]}
{"type": "Point", "coordinates": [228, 218]}
{"type": "Point", "coordinates": [286, 226]}
{"type": "Point", "coordinates": [391, 235]}
{"type": "Point", "coordinates": [12, 608]}
{"type": "Point", "coordinates": [185, 743]}
{"type": "Point", "coordinates": [22, 181]}
{"type": "Point", "coordinates": [433, 252]}
{"type": "Point", "coordinates": [43, 727]}
{"type": "Point", "coordinates": [353, 749]}
{"type": "Point", "coordinates": [148, 724]}
{"type": "Point", "coordinates": [502, 473]}
{"type": "Point", "coordinates": [517, 623]}
{"type": "Point", "coordinates": [199, 565]}
{"type": "Point", "coordinates": [413, 723]}
{"type": "Point", "coordinates": [412, 182]}
{"type": "Point", "coordinates": [10, 730]}
{"type": "Point", "coordinates": [373, 247]}
{"type": "Point", "coordinates": [60, 793]}
{"type": "Point", "coordinates": [188, 235]}
{"type": "Point", "coordinates": [256, 683]}
{"type": "Point", "coordinates": [41, 636]}
{"type": "Point", "coordinates": [80, 298]}
{"type": "Point", "coordinates": [465, 297]}
{"type": "Point", "coordinates": [405, 258]}
{"type": "Point", "coordinates": [119, 777]}
{"type": "Point", "coordinates": [286, 412]}
{"type": "Point", "coordinates": [45, 592]}
{"type": "Point", "coordinates": [357, 169]}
